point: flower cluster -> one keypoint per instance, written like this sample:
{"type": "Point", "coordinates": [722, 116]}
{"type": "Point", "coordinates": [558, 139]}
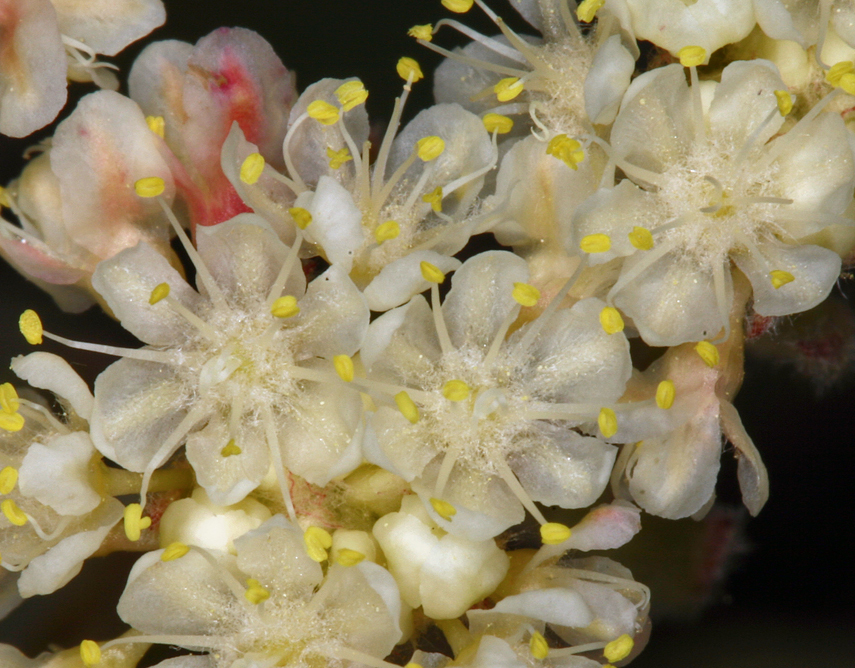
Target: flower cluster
{"type": "Point", "coordinates": [342, 438]}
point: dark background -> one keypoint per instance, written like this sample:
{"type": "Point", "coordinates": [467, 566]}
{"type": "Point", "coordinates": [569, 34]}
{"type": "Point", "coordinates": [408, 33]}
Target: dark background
{"type": "Point", "coordinates": [788, 601]}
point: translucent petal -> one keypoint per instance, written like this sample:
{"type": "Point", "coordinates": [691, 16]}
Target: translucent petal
{"type": "Point", "coordinates": [561, 606]}
{"type": "Point", "coordinates": [47, 371]}
{"type": "Point", "coordinates": [613, 614]}
{"type": "Point", "coordinates": [402, 279]}
{"type": "Point", "coordinates": [108, 26]}
{"type": "Point", "coordinates": [774, 20]}
{"type": "Point", "coordinates": [607, 80]}
{"type": "Point", "coordinates": [751, 472]}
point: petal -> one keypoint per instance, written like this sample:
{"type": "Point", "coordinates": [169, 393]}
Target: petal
{"type": "Point", "coordinates": [108, 26]}
{"type": "Point", "coordinates": [137, 406]}
{"type": "Point", "coordinates": [393, 443]}
{"type": "Point", "coordinates": [406, 542]}
{"type": "Point", "coordinates": [843, 20]}
{"type": "Point", "coordinates": [47, 371]}
{"type": "Point", "coordinates": [607, 80]}
{"type": "Point", "coordinates": [554, 605]}
{"type": "Point", "coordinates": [57, 472]}
{"type": "Point", "coordinates": [126, 282]}
{"type": "Point", "coordinates": [751, 472]}
{"type": "Point", "coordinates": [98, 153]}
{"type": "Point", "coordinates": [156, 83]}
{"type": "Point", "coordinates": [774, 20]}
{"type": "Point", "coordinates": [481, 297]}
{"type": "Point", "coordinates": [336, 223]}
{"type": "Point", "coordinates": [815, 271]}
{"type": "Point", "coordinates": [402, 279]}
{"type": "Point", "coordinates": [32, 67]}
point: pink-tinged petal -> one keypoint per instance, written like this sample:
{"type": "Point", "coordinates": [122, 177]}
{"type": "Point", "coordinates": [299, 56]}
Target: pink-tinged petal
{"type": "Point", "coordinates": [108, 26]}
{"type": "Point", "coordinates": [156, 83]}
{"type": "Point", "coordinates": [98, 153]}
{"type": "Point", "coordinates": [35, 260]}
{"type": "Point", "coordinates": [32, 66]}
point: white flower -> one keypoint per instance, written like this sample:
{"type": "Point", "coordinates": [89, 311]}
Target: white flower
{"type": "Point", "coordinates": [472, 427]}
{"type": "Point", "coordinates": [715, 191]}
{"type": "Point", "coordinates": [270, 605]}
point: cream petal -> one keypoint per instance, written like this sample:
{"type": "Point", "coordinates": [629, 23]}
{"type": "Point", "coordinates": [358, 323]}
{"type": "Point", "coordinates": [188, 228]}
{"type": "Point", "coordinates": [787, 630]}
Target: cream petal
{"type": "Point", "coordinates": [228, 479]}
{"type": "Point", "coordinates": [559, 467]}
{"type": "Point", "coordinates": [333, 315]}
{"type": "Point", "coordinates": [613, 614]}
{"type": "Point", "coordinates": [751, 472]}
{"type": "Point", "coordinates": [56, 567]}
{"type": "Point", "coordinates": [607, 80]}
{"type": "Point", "coordinates": [407, 542]}
{"type": "Point", "coordinates": [98, 153]}
{"type": "Point", "coordinates": [393, 443]}
{"type": "Point", "coordinates": [573, 359]}
{"type": "Point", "coordinates": [32, 67]}
{"type": "Point", "coordinates": [137, 406]}
{"type": "Point", "coordinates": [814, 269]}
{"type": "Point", "coordinates": [244, 256]}
{"type": "Point", "coordinates": [275, 555]}
{"type": "Point", "coordinates": [774, 20]}
{"type": "Point", "coordinates": [843, 20]}
{"type": "Point", "coordinates": [481, 297]}
{"type": "Point", "coordinates": [108, 26]}
{"type": "Point", "coordinates": [156, 80]}
{"type": "Point", "coordinates": [47, 371]}
{"type": "Point", "coordinates": [495, 653]}
{"type": "Point", "coordinates": [402, 279]}
{"type": "Point", "coordinates": [56, 473]}
{"type": "Point", "coordinates": [673, 300]}
{"type": "Point", "coordinates": [555, 605]}
{"type": "Point", "coordinates": [336, 223]}
{"type": "Point", "coordinates": [126, 282]}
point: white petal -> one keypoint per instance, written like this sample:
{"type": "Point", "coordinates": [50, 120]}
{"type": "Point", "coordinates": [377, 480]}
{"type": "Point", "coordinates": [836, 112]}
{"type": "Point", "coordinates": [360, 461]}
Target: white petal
{"type": "Point", "coordinates": [774, 20]}
{"type": "Point", "coordinates": [401, 279]}
{"type": "Point", "coordinates": [336, 223]}
{"type": "Point", "coordinates": [751, 472]}
{"type": "Point", "coordinates": [402, 343]}
{"type": "Point", "coordinates": [556, 605]}
{"type": "Point", "coordinates": [108, 26]}
{"type": "Point", "coordinates": [47, 371]}
{"type": "Point", "coordinates": [607, 80]}
{"type": "Point", "coordinates": [393, 443]}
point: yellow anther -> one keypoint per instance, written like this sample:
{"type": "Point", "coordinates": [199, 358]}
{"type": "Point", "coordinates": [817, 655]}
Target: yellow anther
{"type": "Point", "coordinates": [348, 557]}
{"type": "Point", "coordinates": [285, 307]}
{"type": "Point", "coordinates": [587, 9]}
{"type": "Point", "coordinates": [160, 291]}
{"type": "Point", "coordinates": [508, 88]}
{"type": "Point", "coordinates": [779, 278]}
{"type": "Point", "coordinates": [174, 551]}
{"type": "Point", "coordinates": [595, 243]}
{"type": "Point", "coordinates": [785, 101]}
{"type": "Point", "coordinates": [302, 218]}
{"type": "Point", "coordinates": [607, 422]}
{"type": "Point", "coordinates": [255, 593]}
{"type": "Point", "coordinates": [351, 94]}
{"type": "Point", "coordinates": [252, 168]}
{"type": "Point", "coordinates": [456, 390]}
{"type": "Point", "coordinates": [338, 158]}
{"type": "Point", "coordinates": [847, 83]}
{"type": "Point", "coordinates": [323, 112]}
{"type": "Point", "coordinates": [538, 647]}
{"type": "Point", "coordinates": [387, 231]}
{"type": "Point", "coordinates": [344, 367]}
{"type": "Point", "coordinates": [4, 198]}
{"type": "Point", "coordinates": [430, 148]}
{"type": "Point", "coordinates": [641, 238]}
{"type": "Point", "coordinates": [317, 541]}
{"type": "Point", "coordinates": [408, 69]}
{"type": "Point", "coordinates": [156, 124]}
{"type": "Point", "coordinates": [692, 56]}
{"type": "Point", "coordinates": [443, 508]}
{"type": "Point", "coordinates": [11, 421]}
{"type": "Point", "coordinates": [611, 320]}
{"type": "Point", "coordinates": [665, 393]}
{"type": "Point", "coordinates": [567, 150]}
{"type": "Point", "coordinates": [407, 406]}
{"type": "Point", "coordinates": [431, 273]}
{"type": "Point", "coordinates": [424, 32]}
{"type": "Point", "coordinates": [13, 513]}
{"type": "Point", "coordinates": [458, 6]}
{"type": "Point", "coordinates": [8, 479]}
{"type": "Point", "coordinates": [554, 533]}
{"type": "Point", "coordinates": [230, 449]}
{"type": "Point", "coordinates": [150, 186]}
{"type": "Point", "coordinates": [90, 653]}
{"type": "Point", "coordinates": [619, 648]}
{"type": "Point", "coordinates": [9, 399]}
{"type": "Point", "coordinates": [525, 294]}
{"type": "Point", "coordinates": [30, 325]}
{"type": "Point", "coordinates": [497, 123]}
{"type": "Point", "coordinates": [135, 522]}
{"type": "Point", "coordinates": [708, 353]}
{"type": "Point", "coordinates": [434, 198]}
{"type": "Point", "coordinates": [838, 70]}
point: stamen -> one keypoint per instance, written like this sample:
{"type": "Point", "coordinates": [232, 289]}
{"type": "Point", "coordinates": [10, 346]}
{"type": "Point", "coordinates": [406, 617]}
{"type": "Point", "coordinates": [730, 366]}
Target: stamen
{"type": "Point", "coordinates": [323, 112]}
{"type": "Point", "coordinates": [488, 42]}
{"type": "Point", "coordinates": [475, 62]}
{"type": "Point", "coordinates": [90, 653]}
{"type": "Point", "coordinates": [691, 57]}
{"type": "Point", "coordinates": [161, 292]}
{"type": "Point", "coordinates": [252, 168]}
{"type": "Point", "coordinates": [497, 123]}
{"type": "Point", "coordinates": [387, 231]}
{"type": "Point", "coordinates": [13, 512]}
{"type": "Point", "coordinates": [509, 88]}
{"type": "Point", "coordinates": [174, 551]}
{"type": "Point", "coordinates": [553, 533]}
{"type": "Point", "coordinates": [11, 422]}
{"type": "Point", "coordinates": [157, 125]}
{"type": "Point", "coordinates": [348, 557]}
{"type": "Point", "coordinates": [649, 258]}
{"type": "Point", "coordinates": [255, 593]}
{"type": "Point", "coordinates": [443, 508]}
{"type": "Point", "coordinates": [721, 300]}
{"type": "Point", "coordinates": [569, 151]}
{"type": "Point", "coordinates": [274, 296]}
{"type": "Point", "coordinates": [635, 172]}
{"type": "Point", "coordinates": [422, 32]}
{"type": "Point", "coordinates": [351, 94]}
{"type": "Point", "coordinates": [780, 278]}
{"type": "Point", "coordinates": [230, 449]}
{"type": "Point", "coordinates": [317, 541]}
{"type": "Point", "coordinates": [607, 422]}
{"type": "Point", "coordinates": [286, 150]}
{"type": "Point", "coordinates": [538, 647]}
{"type": "Point", "coordinates": [380, 196]}
{"type": "Point", "coordinates": [409, 70]}
{"type": "Point", "coordinates": [595, 243]}
{"type": "Point", "coordinates": [641, 238]}
{"type": "Point", "coordinates": [587, 10]}
{"type": "Point", "coordinates": [456, 390]}
{"type": "Point", "coordinates": [8, 479]}
{"type": "Point", "coordinates": [407, 406]}
{"type": "Point", "coordinates": [611, 320]}
{"type": "Point", "coordinates": [285, 307]}
{"type": "Point", "coordinates": [458, 6]}
{"type": "Point", "coordinates": [338, 158]}
{"type": "Point", "coordinates": [278, 466]}
{"type": "Point", "coordinates": [31, 327]}
{"type": "Point", "coordinates": [506, 474]}
{"type": "Point", "coordinates": [144, 354]}
{"type": "Point", "coordinates": [344, 367]}
{"type": "Point", "coordinates": [708, 353]}
{"type": "Point", "coordinates": [134, 522]}
{"type": "Point", "coordinates": [619, 648]}
{"type": "Point", "coordinates": [665, 393]}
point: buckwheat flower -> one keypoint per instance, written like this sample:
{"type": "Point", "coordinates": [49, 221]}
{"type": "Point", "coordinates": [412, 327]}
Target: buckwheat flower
{"type": "Point", "coordinates": [123, 656]}
{"type": "Point", "coordinates": [74, 204]}
{"type": "Point", "coordinates": [55, 500]}
{"type": "Point", "coordinates": [707, 188]}
{"type": "Point", "coordinates": [197, 92]}
{"type": "Point", "coordinates": [442, 573]}
{"type": "Point", "coordinates": [241, 371]}
{"type": "Point", "coordinates": [46, 41]}
{"type": "Point", "coordinates": [564, 81]}
{"type": "Point", "coordinates": [378, 222]}
{"type": "Point", "coordinates": [272, 604]}
{"type": "Point", "coordinates": [471, 425]}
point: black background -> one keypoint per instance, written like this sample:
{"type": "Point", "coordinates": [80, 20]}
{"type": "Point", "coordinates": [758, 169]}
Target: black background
{"type": "Point", "coordinates": [789, 600]}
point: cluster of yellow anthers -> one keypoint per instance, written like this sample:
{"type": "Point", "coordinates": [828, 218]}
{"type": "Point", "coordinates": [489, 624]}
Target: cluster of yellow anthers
{"type": "Point", "coordinates": [347, 442]}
